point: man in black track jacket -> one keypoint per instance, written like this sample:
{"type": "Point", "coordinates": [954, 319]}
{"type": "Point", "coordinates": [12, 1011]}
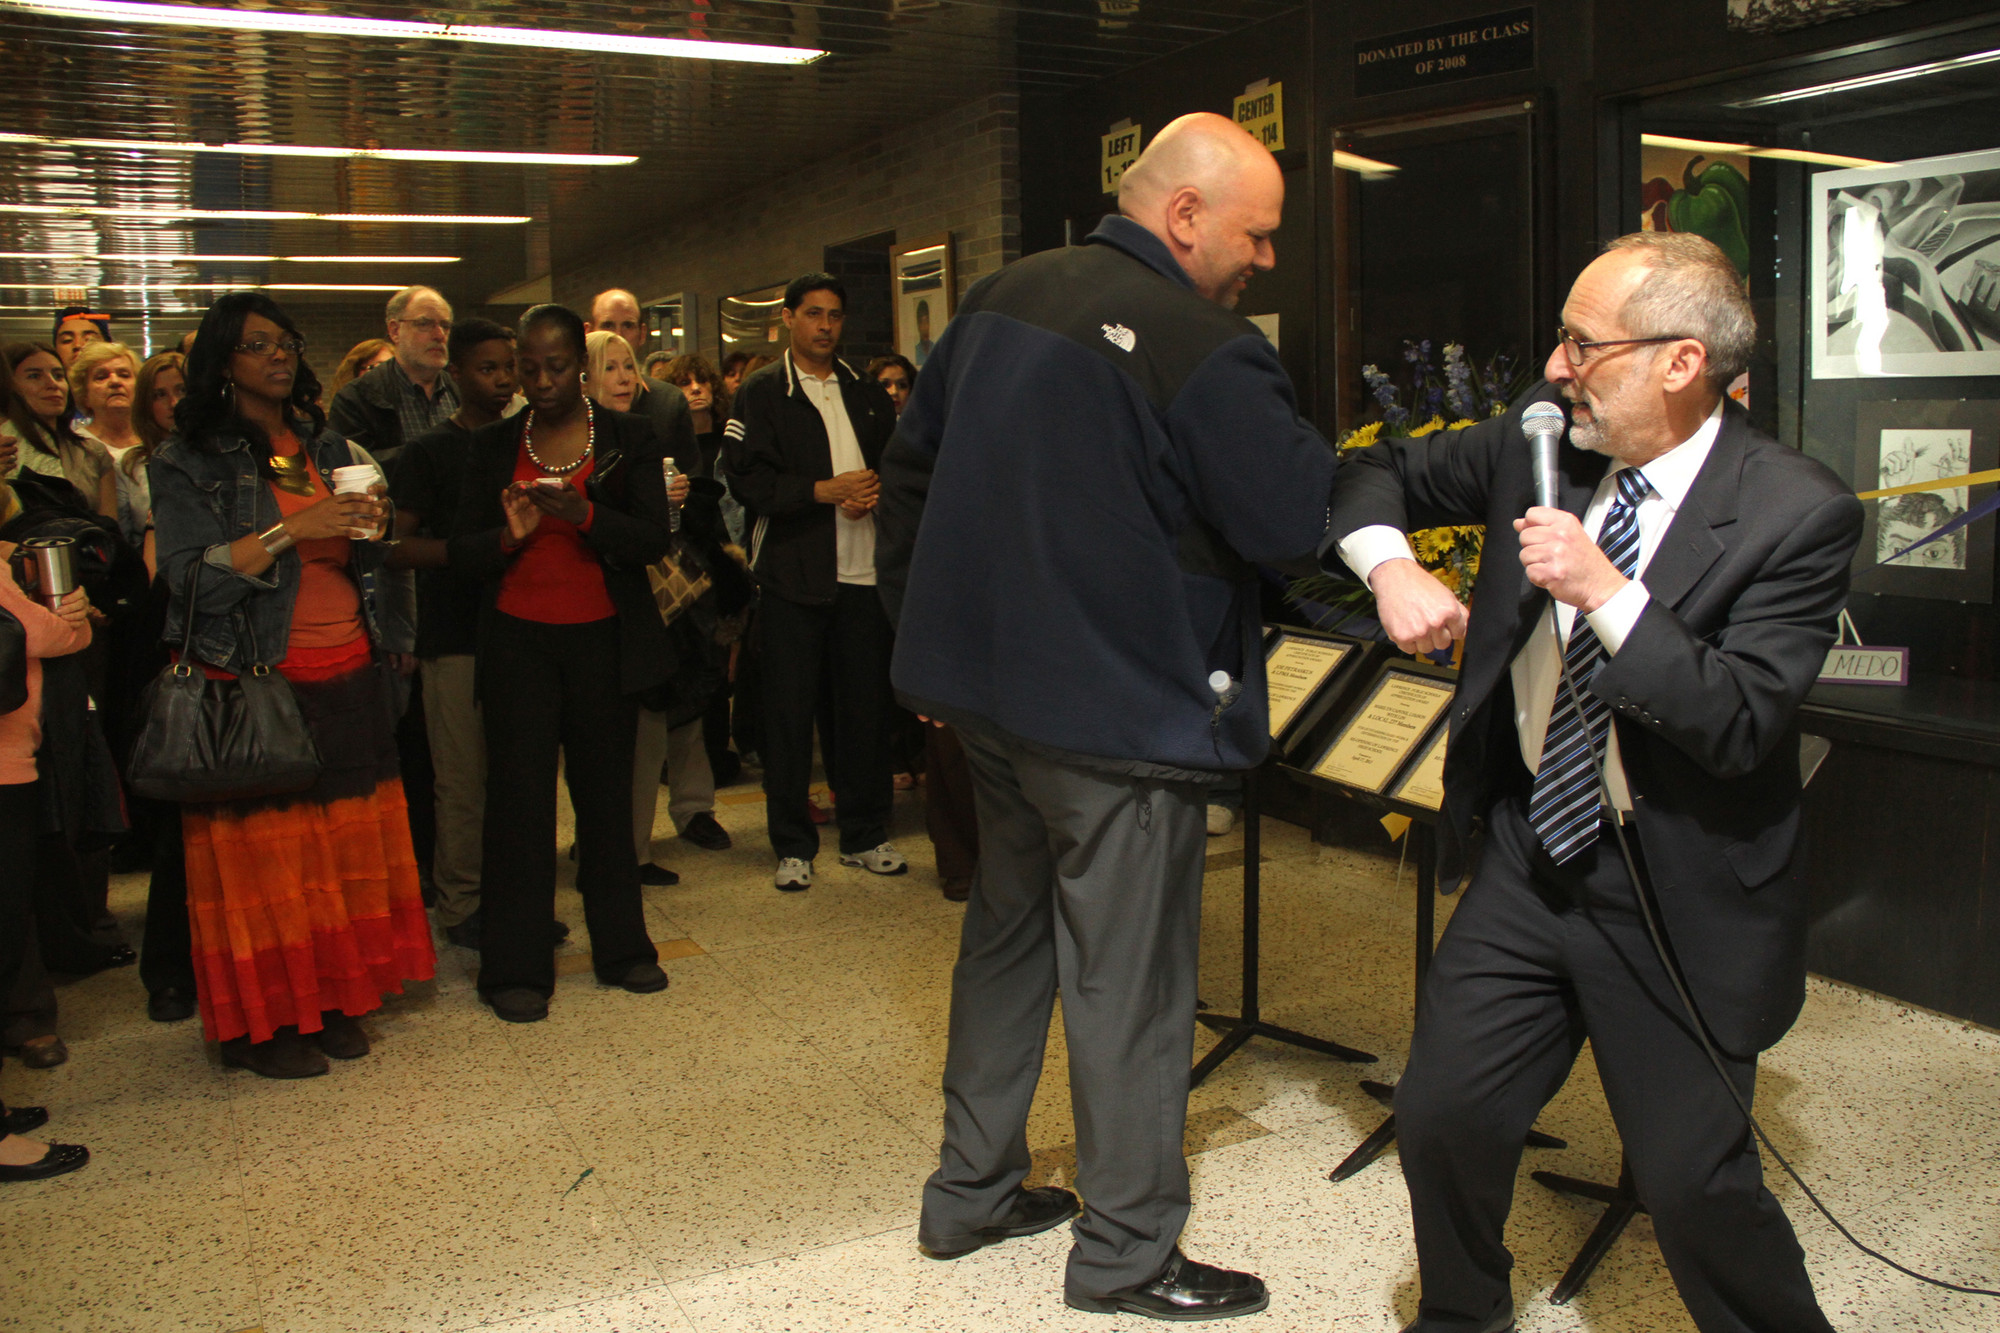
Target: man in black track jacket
{"type": "Point", "coordinates": [800, 451]}
{"type": "Point", "coordinates": [1093, 454]}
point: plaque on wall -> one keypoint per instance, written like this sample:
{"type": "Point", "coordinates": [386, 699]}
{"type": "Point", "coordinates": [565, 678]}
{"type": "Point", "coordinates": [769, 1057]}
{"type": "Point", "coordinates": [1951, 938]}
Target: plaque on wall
{"type": "Point", "coordinates": [1295, 667]}
{"type": "Point", "coordinates": [1424, 784]}
{"type": "Point", "coordinates": [1468, 49]}
{"type": "Point", "coordinates": [1386, 730]}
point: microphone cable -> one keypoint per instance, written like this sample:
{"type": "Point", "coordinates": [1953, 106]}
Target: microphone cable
{"type": "Point", "coordinates": [1643, 891]}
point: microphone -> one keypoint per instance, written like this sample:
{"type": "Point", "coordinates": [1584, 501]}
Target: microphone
{"type": "Point", "coordinates": [1544, 424]}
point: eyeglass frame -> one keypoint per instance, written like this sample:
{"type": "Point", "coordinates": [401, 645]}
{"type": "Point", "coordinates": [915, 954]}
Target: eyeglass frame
{"type": "Point", "coordinates": [1566, 340]}
{"type": "Point", "coordinates": [429, 324]}
{"type": "Point", "coordinates": [260, 346]}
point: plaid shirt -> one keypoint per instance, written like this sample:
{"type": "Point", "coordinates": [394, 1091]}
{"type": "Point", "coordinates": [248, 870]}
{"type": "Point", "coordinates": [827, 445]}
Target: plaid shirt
{"type": "Point", "coordinates": [420, 413]}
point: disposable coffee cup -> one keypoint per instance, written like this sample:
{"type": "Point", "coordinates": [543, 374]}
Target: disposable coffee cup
{"type": "Point", "coordinates": [357, 479]}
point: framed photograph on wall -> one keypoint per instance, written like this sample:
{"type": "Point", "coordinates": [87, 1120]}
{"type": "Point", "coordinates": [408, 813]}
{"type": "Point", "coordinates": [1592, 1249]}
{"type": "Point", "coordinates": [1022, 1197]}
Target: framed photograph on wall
{"type": "Point", "coordinates": [752, 322]}
{"type": "Point", "coordinates": [1907, 442]}
{"type": "Point", "coordinates": [1905, 273]}
{"type": "Point", "coordinates": [921, 274]}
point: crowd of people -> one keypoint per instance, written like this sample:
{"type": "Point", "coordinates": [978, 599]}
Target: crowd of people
{"type": "Point", "coordinates": [569, 557]}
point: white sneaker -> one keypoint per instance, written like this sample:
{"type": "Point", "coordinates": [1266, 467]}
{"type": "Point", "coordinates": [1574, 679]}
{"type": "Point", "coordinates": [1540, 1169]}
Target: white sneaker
{"type": "Point", "coordinates": [1221, 819]}
{"type": "Point", "coordinates": [794, 873]}
{"type": "Point", "coordinates": [883, 860]}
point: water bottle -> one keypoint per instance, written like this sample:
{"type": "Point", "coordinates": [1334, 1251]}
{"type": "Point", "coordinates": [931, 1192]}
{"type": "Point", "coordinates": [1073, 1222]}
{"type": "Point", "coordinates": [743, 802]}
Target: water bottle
{"type": "Point", "coordinates": [1227, 689]}
{"type": "Point", "coordinates": [670, 472]}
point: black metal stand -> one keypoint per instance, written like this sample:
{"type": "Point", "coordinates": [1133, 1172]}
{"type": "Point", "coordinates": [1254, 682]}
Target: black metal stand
{"type": "Point", "coordinates": [1238, 1029]}
{"type": "Point", "coordinates": [1622, 1205]}
{"type": "Point", "coordinates": [1424, 841]}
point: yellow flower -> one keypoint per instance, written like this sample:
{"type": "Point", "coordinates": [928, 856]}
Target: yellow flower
{"type": "Point", "coordinates": [1361, 438]}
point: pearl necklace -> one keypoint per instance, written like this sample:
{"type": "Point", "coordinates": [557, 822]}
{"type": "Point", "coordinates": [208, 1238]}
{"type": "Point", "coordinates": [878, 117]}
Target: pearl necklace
{"type": "Point", "coordinates": [589, 442]}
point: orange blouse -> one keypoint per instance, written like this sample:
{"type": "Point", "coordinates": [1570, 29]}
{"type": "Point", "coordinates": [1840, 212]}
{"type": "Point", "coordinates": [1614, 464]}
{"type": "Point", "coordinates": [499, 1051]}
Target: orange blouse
{"type": "Point", "coordinates": [328, 611]}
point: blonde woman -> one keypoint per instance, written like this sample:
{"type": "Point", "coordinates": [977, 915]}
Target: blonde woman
{"type": "Point", "coordinates": [614, 372]}
{"type": "Point", "coordinates": [103, 383]}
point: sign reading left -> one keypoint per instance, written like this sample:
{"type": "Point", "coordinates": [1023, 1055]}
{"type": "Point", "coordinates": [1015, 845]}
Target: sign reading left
{"type": "Point", "coordinates": [1121, 150]}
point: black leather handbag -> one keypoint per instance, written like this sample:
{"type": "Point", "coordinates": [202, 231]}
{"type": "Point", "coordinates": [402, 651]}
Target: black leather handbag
{"type": "Point", "coordinates": [13, 662]}
{"type": "Point", "coordinates": [220, 740]}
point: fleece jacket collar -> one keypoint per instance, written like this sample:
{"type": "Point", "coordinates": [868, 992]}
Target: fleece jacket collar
{"type": "Point", "coordinates": [1122, 233]}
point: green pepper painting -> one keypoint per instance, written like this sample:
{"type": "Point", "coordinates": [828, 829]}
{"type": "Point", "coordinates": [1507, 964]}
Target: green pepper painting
{"type": "Point", "coordinates": [1706, 194]}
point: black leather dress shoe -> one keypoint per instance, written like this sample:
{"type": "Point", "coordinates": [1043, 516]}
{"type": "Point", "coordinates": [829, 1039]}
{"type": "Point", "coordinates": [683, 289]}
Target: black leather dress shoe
{"type": "Point", "coordinates": [24, 1120]}
{"type": "Point", "coordinates": [657, 877]}
{"type": "Point", "coordinates": [58, 1160]}
{"type": "Point", "coordinates": [642, 979]}
{"type": "Point", "coordinates": [170, 1004]}
{"type": "Point", "coordinates": [705, 832]}
{"type": "Point", "coordinates": [1186, 1291]}
{"type": "Point", "coordinates": [1034, 1211]}
{"type": "Point", "coordinates": [1502, 1321]}
{"type": "Point", "coordinates": [518, 1004]}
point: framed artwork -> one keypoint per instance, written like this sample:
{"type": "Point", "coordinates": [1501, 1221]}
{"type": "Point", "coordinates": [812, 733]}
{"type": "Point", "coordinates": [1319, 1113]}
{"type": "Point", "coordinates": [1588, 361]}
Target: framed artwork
{"type": "Point", "coordinates": [921, 273]}
{"type": "Point", "coordinates": [1782, 15]}
{"type": "Point", "coordinates": [1906, 442]}
{"type": "Point", "coordinates": [1905, 272]}
{"type": "Point", "coordinates": [752, 321]}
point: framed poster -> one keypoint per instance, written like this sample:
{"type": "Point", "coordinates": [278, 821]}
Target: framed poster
{"type": "Point", "coordinates": [921, 273]}
{"type": "Point", "coordinates": [752, 321]}
{"type": "Point", "coordinates": [1908, 442]}
{"type": "Point", "coordinates": [1905, 275]}
{"type": "Point", "coordinates": [1296, 667]}
{"type": "Point", "coordinates": [1386, 730]}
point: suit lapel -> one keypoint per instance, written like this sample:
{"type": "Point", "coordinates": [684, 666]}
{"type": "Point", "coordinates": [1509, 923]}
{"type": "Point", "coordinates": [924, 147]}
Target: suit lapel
{"type": "Point", "coordinates": [1691, 543]}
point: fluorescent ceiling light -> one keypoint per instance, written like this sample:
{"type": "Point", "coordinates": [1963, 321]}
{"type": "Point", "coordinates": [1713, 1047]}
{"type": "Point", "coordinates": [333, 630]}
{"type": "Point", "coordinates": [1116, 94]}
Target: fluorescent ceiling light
{"type": "Point", "coordinates": [204, 286]}
{"type": "Point", "coordinates": [334, 25]}
{"type": "Point", "coordinates": [1752, 150]}
{"type": "Point", "coordinates": [65, 257]}
{"type": "Point", "coordinates": [1368, 167]}
{"type": "Point", "coordinates": [300, 150]}
{"type": "Point", "coordinates": [153, 213]}
{"type": "Point", "coordinates": [1873, 80]}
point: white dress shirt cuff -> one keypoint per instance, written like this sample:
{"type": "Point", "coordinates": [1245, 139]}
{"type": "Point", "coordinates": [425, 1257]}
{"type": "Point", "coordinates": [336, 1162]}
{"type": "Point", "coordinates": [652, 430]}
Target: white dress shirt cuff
{"type": "Point", "coordinates": [1365, 548]}
{"type": "Point", "coordinates": [1613, 622]}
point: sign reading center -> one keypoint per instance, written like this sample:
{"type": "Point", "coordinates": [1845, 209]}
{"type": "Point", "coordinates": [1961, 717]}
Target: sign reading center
{"type": "Point", "coordinates": [1469, 49]}
{"type": "Point", "coordinates": [1121, 150]}
{"type": "Point", "coordinates": [1261, 111]}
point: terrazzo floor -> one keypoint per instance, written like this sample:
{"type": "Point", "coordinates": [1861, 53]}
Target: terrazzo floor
{"type": "Point", "coordinates": [745, 1151]}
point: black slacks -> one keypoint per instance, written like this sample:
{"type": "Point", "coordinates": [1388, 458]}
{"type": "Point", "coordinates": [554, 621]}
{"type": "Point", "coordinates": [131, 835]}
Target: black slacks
{"type": "Point", "coordinates": [1537, 958]}
{"type": "Point", "coordinates": [20, 808]}
{"type": "Point", "coordinates": [166, 957]}
{"type": "Point", "coordinates": [852, 641]}
{"type": "Point", "coordinates": [546, 689]}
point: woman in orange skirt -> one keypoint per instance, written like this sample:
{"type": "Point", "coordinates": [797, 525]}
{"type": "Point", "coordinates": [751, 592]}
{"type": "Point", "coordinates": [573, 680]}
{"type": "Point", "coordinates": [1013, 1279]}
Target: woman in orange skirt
{"type": "Point", "coordinates": [305, 909]}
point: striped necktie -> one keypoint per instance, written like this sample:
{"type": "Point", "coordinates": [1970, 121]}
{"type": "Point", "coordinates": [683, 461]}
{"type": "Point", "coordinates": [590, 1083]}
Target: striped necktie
{"type": "Point", "coordinates": [1565, 807]}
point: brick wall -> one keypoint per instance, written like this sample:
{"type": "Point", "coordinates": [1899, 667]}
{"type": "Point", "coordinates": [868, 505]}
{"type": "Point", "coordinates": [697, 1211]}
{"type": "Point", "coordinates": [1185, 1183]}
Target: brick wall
{"type": "Point", "coordinates": [956, 172]}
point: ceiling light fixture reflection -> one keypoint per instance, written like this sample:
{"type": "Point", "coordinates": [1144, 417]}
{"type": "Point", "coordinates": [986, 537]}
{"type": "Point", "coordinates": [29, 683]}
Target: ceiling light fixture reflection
{"type": "Point", "coordinates": [1367, 167]}
{"type": "Point", "coordinates": [66, 257]}
{"type": "Point", "coordinates": [150, 213]}
{"type": "Point", "coordinates": [1752, 150]}
{"type": "Point", "coordinates": [336, 25]}
{"type": "Point", "coordinates": [301, 150]}
{"type": "Point", "coordinates": [205, 286]}
{"type": "Point", "coordinates": [1872, 80]}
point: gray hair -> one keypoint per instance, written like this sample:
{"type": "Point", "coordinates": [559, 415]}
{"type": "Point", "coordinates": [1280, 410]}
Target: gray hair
{"type": "Point", "coordinates": [1692, 291]}
{"type": "Point", "coordinates": [401, 301]}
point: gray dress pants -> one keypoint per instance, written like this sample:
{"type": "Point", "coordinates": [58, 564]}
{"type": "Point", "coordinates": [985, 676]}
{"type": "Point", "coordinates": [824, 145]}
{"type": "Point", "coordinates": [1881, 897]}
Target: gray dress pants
{"type": "Point", "coordinates": [1089, 882]}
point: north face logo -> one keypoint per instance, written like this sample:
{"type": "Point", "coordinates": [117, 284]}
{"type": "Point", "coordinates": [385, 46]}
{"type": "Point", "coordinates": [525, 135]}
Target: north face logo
{"type": "Point", "coordinates": [1120, 337]}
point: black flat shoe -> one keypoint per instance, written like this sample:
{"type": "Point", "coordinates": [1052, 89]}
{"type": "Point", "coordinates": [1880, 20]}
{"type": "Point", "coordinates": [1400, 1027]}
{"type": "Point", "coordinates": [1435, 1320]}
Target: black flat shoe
{"type": "Point", "coordinates": [170, 1004]}
{"type": "Point", "coordinates": [340, 1036]}
{"type": "Point", "coordinates": [41, 1052]}
{"type": "Point", "coordinates": [657, 877]}
{"type": "Point", "coordinates": [706, 833]}
{"type": "Point", "coordinates": [285, 1055]}
{"type": "Point", "coordinates": [465, 934]}
{"type": "Point", "coordinates": [559, 932]}
{"type": "Point", "coordinates": [60, 1159]}
{"type": "Point", "coordinates": [24, 1120]}
{"type": "Point", "coordinates": [642, 979]}
{"type": "Point", "coordinates": [518, 1004]}
{"type": "Point", "coordinates": [1034, 1211]}
{"type": "Point", "coordinates": [1186, 1291]}
{"type": "Point", "coordinates": [1502, 1321]}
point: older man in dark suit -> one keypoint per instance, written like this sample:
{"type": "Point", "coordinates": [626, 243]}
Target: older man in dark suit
{"type": "Point", "coordinates": [1689, 584]}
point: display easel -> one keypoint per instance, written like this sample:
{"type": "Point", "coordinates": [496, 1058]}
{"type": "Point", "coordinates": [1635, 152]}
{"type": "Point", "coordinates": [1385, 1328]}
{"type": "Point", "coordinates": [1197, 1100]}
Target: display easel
{"type": "Point", "coordinates": [1621, 1206]}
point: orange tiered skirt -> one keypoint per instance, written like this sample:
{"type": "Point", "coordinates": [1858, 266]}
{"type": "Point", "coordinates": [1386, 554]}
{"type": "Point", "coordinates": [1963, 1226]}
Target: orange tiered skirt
{"type": "Point", "coordinates": [310, 902]}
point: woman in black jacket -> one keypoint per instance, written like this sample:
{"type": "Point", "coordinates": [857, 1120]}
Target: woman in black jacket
{"type": "Point", "coordinates": [563, 507]}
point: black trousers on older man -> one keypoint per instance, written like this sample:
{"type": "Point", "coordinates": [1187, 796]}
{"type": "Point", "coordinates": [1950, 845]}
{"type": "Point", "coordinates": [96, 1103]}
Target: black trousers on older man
{"type": "Point", "coordinates": [1538, 957]}
{"type": "Point", "coordinates": [849, 641]}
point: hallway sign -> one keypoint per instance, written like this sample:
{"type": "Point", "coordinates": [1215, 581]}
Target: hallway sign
{"type": "Point", "coordinates": [1261, 110]}
{"type": "Point", "coordinates": [1121, 150]}
{"type": "Point", "coordinates": [1468, 49]}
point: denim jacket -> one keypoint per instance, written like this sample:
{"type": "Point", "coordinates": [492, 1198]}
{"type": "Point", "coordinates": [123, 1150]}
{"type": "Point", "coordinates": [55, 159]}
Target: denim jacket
{"type": "Point", "coordinates": [203, 501]}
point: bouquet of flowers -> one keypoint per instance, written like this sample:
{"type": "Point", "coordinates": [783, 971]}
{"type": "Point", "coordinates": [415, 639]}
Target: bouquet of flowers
{"type": "Point", "coordinates": [1412, 404]}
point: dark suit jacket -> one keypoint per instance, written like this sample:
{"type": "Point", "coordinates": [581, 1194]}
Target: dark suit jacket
{"type": "Point", "coordinates": [1746, 586]}
{"type": "Point", "coordinates": [628, 532]}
